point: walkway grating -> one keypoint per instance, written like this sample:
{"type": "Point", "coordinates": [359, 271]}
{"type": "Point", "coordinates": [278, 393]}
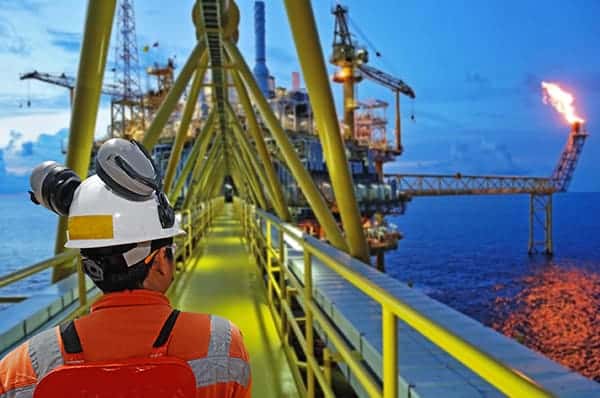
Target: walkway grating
{"type": "Point", "coordinates": [223, 280]}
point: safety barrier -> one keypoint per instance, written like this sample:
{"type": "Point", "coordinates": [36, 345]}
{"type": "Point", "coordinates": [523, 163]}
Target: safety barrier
{"type": "Point", "coordinates": [283, 285]}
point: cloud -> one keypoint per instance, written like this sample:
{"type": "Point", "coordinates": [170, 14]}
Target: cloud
{"type": "Point", "coordinates": [485, 157]}
{"type": "Point", "coordinates": [32, 125]}
{"type": "Point", "coordinates": [68, 41]}
{"type": "Point", "coordinates": [32, 6]}
{"type": "Point", "coordinates": [21, 156]}
{"type": "Point", "coordinates": [474, 155]}
{"type": "Point", "coordinates": [10, 40]}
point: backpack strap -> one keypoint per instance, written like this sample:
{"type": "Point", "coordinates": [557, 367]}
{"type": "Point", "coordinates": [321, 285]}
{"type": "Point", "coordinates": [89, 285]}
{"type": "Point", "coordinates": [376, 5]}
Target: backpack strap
{"type": "Point", "coordinates": [70, 338]}
{"type": "Point", "coordinates": [73, 352]}
{"type": "Point", "coordinates": [165, 332]}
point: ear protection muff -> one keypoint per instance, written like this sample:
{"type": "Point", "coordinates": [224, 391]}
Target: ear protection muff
{"type": "Point", "coordinates": [53, 186]}
{"type": "Point", "coordinates": [128, 170]}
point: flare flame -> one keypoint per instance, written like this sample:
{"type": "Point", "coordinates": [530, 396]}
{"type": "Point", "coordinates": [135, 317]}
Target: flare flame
{"type": "Point", "coordinates": [561, 100]}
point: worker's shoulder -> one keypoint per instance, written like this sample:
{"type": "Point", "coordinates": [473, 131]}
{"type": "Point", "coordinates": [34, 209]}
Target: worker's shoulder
{"type": "Point", "coordinates": [198, 335]}
{"type": "Point", "coordinates": [30, 361]}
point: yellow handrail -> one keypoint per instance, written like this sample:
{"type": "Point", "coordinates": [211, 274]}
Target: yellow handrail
{"type": "Point", "coordinates": [16, 276]}
{"type": "Point", "coordinates": [509, 381]}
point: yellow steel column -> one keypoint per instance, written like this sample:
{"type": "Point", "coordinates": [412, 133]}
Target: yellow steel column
{"type": "Point", "coordinates": [247, 170]}
{"type": "Point", "coordinates": [196, 155]}
{"type": "Point", "coordinates": [215, 183]}
{"type": "Point", "coordinates": [260, 171]}
{"type": "Point", "coordinates": [204, 163]}
{"type": "Point", "coordinates": [168, 104]}
{"type": "Point", "coordinates": [96, 42]}
{"type": "Point", "coordinates": [202, 195]}
{"type": "Point", "coordinates": [184, 125]}
{"type": "Point", "coordinates": [310, 341]}
{"type": "Point", "coordinates": [242, 182]}
{"type": "Point", "coordinates": [214, 161]}
{"type": "Point", "coordinates": [204, 168]}
{"type": "Point", "coordinates": [201, 168]}
{"type": "Point", "coordinates": [256, 131]}
{"type": "Point", "coordinates": [239, 184]}
{"type": "Point", "coordinates": [305, 181]}
{"type": "Point", "coordinates": [306, 38]}
{"type": "Point", "coordinates": [218, 185]}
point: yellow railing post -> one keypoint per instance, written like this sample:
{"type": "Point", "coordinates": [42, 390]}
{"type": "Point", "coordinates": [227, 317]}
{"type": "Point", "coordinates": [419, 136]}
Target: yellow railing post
{"type": "Point", "coordinates": [269, 263]}
{"type": "Point", "coordinates": [389, 353]}
{"type": "Point", "coordinates": [282, 284]}
{"type": "Point", "coordinates": [308, 324]}
{"type": "Point", "coordinates": [92, 61]}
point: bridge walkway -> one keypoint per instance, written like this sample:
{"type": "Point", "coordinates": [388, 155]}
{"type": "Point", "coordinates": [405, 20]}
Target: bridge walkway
{"type": "Point", "coordinates": [222, 280]}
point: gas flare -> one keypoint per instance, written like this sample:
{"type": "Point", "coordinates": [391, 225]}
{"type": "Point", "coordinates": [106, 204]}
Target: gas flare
{"type": "Point", "coordinates": [561, 100]}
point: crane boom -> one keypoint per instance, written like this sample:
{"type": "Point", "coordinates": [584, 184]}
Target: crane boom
{"type": "Point", "coordinates": [63, 80]}
{"type": "Point", "coordinates": [386, 80]}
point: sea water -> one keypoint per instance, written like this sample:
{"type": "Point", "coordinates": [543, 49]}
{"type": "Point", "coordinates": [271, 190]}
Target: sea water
{"type": "Point", "coordinates": [471, 253]}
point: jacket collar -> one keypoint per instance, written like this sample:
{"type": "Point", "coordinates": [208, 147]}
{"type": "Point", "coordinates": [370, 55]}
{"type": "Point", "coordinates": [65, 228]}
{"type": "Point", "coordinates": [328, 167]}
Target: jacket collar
{"type": "Point", "coordinates": [130, 298]}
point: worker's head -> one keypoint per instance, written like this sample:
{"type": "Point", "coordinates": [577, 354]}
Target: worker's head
{"type": "Point", "coordinates": [120, 219]}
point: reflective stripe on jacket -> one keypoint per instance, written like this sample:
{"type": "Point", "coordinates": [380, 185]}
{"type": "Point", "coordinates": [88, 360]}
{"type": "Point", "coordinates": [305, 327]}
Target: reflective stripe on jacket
{"type": "Point", "coordinates": [125, 325]}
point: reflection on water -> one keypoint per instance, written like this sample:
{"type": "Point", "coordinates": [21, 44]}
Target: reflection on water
{"type": "Point", "coordinates": [557, 314]}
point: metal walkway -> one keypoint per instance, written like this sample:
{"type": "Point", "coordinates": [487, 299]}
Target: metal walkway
{"type": "Point", "coordinates": [223, 280]}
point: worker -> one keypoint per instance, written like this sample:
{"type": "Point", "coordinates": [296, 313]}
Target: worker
{"type": "Point", "coordinates": [124, 227]}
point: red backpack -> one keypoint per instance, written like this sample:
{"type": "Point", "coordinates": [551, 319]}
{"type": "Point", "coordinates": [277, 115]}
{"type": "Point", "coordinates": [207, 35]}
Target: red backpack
{"type": "Point", "coordinates": [155, 376]}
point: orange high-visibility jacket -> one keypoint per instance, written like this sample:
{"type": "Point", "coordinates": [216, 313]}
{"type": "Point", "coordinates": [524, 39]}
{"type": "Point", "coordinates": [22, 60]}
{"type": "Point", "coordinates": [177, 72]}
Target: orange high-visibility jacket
{"type": "Point", "coordinates": [125, 325]}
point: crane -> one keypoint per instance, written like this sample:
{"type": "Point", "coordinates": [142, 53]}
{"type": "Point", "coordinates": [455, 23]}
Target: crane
{"type": "Point", "coordinates": [66, 81]}
{"type": "Point", "coordinates": [352, 61]}
{"type": "Point", "coordinates": [63, 80]}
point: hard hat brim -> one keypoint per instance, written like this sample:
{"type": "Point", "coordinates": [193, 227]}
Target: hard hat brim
{"type": "Point", "coordinates": [95, 243]}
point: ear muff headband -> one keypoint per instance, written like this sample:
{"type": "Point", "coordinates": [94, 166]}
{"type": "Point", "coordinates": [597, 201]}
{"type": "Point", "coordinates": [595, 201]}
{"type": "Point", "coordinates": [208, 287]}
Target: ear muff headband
{"type": "Point", "coordinates": [166, 214]}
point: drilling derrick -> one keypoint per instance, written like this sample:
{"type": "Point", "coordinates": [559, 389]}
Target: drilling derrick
{"type": "Point", "coordinates": [127, 108]}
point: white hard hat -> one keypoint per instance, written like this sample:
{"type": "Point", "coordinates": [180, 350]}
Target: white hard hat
{"type": "Point", "coordinates": [99, 217]}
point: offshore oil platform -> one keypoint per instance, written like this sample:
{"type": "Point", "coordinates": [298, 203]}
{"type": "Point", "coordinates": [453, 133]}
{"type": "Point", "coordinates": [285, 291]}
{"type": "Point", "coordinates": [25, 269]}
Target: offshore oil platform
{"type": "Point", "coordinates": [311, 200]}
{"type": "Point", "coordinates": [364, 129]}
